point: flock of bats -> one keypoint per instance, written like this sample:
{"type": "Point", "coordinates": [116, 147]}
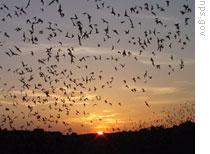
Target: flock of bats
{"type": "Point", "coordinates": [58, 87]}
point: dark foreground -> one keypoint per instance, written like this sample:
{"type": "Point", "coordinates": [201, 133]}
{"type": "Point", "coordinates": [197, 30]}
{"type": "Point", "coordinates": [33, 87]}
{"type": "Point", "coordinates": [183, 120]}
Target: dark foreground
{"type": "Point", "coordinates": [176, 140]}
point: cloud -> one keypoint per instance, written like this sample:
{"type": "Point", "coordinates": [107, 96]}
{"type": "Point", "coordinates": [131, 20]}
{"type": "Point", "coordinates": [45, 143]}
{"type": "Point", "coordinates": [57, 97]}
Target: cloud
{"type": "Point", "coordinates": [162, 18]}
{"type": "Point", "coordinates": [107, 111]}
{"type": "Point", "coordinates": [95, 117]}
{"type": "Point", "coordinates": [77, 97]}
{"type": "Point", "coordinates": [154, 90]}
{"type": "Point", "coordinates": [162, 90]}
{"type": "Point", "coordinates": [93, 50]}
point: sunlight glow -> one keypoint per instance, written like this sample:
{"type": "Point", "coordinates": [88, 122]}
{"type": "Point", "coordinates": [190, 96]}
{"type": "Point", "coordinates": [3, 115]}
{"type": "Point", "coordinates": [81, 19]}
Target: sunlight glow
{"type": "Point", "coordinates": [100, 133]}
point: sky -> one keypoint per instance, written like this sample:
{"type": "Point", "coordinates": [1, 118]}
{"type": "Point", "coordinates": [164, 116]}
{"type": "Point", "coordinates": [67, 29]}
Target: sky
{"type": "Point", "coordinates": [148, 95]}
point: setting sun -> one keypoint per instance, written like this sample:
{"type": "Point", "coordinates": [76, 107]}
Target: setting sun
{"type": "Point", "coordinates": [100, 133]}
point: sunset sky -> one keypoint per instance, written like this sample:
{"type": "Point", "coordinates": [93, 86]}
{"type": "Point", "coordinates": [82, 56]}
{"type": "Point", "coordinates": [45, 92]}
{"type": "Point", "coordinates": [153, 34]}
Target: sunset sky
{"type": "Point", "coordinates": [88, 109]}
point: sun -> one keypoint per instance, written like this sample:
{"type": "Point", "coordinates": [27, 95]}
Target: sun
{"type": "Point", "coordinates": [100, 133]}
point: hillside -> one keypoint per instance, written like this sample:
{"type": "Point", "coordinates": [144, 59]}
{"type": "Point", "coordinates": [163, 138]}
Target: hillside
{"type": "Point", "coordinates": [156, 140]}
